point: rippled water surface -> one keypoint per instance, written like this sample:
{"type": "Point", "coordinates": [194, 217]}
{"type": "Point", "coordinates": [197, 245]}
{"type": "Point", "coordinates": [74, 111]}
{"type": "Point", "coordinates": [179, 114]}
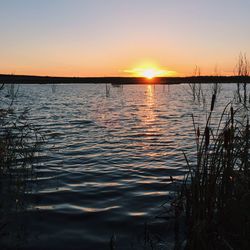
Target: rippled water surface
{"type": "Point", "coordinates": [108, 161]}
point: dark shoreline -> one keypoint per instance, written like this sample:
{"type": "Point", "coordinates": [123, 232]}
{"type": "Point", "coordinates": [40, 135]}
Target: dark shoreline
{"type": "Point", "coordinates": [122, 80]}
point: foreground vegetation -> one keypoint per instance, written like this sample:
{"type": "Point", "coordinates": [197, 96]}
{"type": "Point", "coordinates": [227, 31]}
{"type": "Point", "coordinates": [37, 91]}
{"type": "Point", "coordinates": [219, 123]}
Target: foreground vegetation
{"type": "Point", "coordinates": [214, 199]}
{"type": "Point", "coordinates": [19, 141]}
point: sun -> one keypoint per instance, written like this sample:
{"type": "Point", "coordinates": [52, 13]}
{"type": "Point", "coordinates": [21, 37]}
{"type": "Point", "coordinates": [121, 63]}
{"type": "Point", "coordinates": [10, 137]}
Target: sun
{"type": "Point", "coordinates": [149, 71]}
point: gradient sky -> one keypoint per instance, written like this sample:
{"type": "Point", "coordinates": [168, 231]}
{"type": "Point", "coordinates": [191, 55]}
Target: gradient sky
{"type": "Point", "coordinates": [109, 37]}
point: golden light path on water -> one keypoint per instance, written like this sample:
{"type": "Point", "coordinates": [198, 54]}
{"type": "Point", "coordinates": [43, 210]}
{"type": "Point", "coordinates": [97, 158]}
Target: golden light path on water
{"type": "Point", "coordinates": [148, 117]}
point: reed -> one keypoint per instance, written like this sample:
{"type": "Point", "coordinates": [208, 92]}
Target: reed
{"type": "Point", "coordinates": [19, 142]}
{"type": "Point", "coordinates": [215, 195]}
{"type": "Point", "coordinates": [195, 88]}
{"type": "Point", "coordinates": [242, 70]}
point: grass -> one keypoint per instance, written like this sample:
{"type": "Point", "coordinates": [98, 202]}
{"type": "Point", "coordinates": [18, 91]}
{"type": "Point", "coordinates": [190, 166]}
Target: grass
{"type": "Point", "coordinates": [19, 142]}
{"type": "Point", "coordinates": [215, 196]}
{"type": "Point", "coordinates": [242, 70]}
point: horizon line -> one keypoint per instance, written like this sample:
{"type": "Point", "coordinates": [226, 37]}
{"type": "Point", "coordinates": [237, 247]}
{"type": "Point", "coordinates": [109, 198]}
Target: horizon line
{"type": "Point", "coordinates": [32, 79]}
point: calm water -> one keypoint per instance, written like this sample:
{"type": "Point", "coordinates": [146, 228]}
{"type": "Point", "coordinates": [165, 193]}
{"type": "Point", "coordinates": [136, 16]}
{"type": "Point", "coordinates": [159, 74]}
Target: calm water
{"type": "Point", "coordinates": [107, 162]}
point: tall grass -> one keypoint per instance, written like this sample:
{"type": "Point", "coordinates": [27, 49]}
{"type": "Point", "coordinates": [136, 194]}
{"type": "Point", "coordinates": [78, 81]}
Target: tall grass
{"type": "Point", "coordinates": [215, 195]}
{"type": "Point", "coordinates": [242, 69]}
{"type": "Point", "coordinates": [19, 142]}
{"type": "Point", "coordinates": [195, 88]}
{"type": "Point", "coordinates": [19, 139]}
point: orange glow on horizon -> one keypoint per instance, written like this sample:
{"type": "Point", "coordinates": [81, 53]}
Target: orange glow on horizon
{"type": "Point", "coordinates": [149, 70]}
{"type": "Point", "coordinates": [81, 69]}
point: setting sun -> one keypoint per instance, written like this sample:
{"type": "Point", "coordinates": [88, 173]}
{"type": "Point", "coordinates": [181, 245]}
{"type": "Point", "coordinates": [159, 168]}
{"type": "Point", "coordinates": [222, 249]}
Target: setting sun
{"type": "Point", "coordinates": [149, 71]}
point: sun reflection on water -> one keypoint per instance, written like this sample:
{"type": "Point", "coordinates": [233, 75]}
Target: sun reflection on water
{"type": "Point", "coordinates": [150, 104]}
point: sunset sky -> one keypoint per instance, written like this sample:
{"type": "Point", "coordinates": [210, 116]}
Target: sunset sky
{"type": "Point", "coordinates": [119, 37]}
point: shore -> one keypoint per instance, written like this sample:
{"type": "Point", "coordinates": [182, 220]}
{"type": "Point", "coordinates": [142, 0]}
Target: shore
{"type": "Point", "coordinates": [4, 78]}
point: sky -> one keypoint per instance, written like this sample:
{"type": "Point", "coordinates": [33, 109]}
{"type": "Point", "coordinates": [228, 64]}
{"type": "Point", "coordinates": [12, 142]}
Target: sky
{"type": "Point", "coordinates": [117, 37]}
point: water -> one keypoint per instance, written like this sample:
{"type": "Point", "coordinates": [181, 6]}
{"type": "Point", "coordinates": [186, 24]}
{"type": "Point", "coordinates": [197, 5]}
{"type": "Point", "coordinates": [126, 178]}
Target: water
{"type": "Point", "coordinates": [107, 165]}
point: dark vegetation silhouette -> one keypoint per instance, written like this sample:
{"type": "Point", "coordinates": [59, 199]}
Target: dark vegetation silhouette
{"type": "Point", "coordinates": [195, 88]}
{"type": "Point", "coordinates": [214, 200]}
{"type": "Point", "coordinates": [215, 196]}
{"type": "Point", "coordinates": [19, 142]}
{"type": "Point", "coordinates": [242, 71]}
{"type": "Point", "coordinates": [199, 93]}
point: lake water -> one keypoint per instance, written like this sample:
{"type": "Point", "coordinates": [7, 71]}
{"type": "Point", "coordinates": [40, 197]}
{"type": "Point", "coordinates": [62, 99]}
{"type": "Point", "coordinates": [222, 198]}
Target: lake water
{"type": "Point", "coordinates": [108, 161]}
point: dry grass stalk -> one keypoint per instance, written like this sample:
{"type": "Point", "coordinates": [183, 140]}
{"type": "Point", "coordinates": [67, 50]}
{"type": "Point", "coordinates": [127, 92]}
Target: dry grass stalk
{"type": "Point", "coordinates": [215, 196]}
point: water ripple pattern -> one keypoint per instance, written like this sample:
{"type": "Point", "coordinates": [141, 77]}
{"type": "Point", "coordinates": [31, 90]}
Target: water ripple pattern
{"type": "Point", "coordinates": [108, 161]}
